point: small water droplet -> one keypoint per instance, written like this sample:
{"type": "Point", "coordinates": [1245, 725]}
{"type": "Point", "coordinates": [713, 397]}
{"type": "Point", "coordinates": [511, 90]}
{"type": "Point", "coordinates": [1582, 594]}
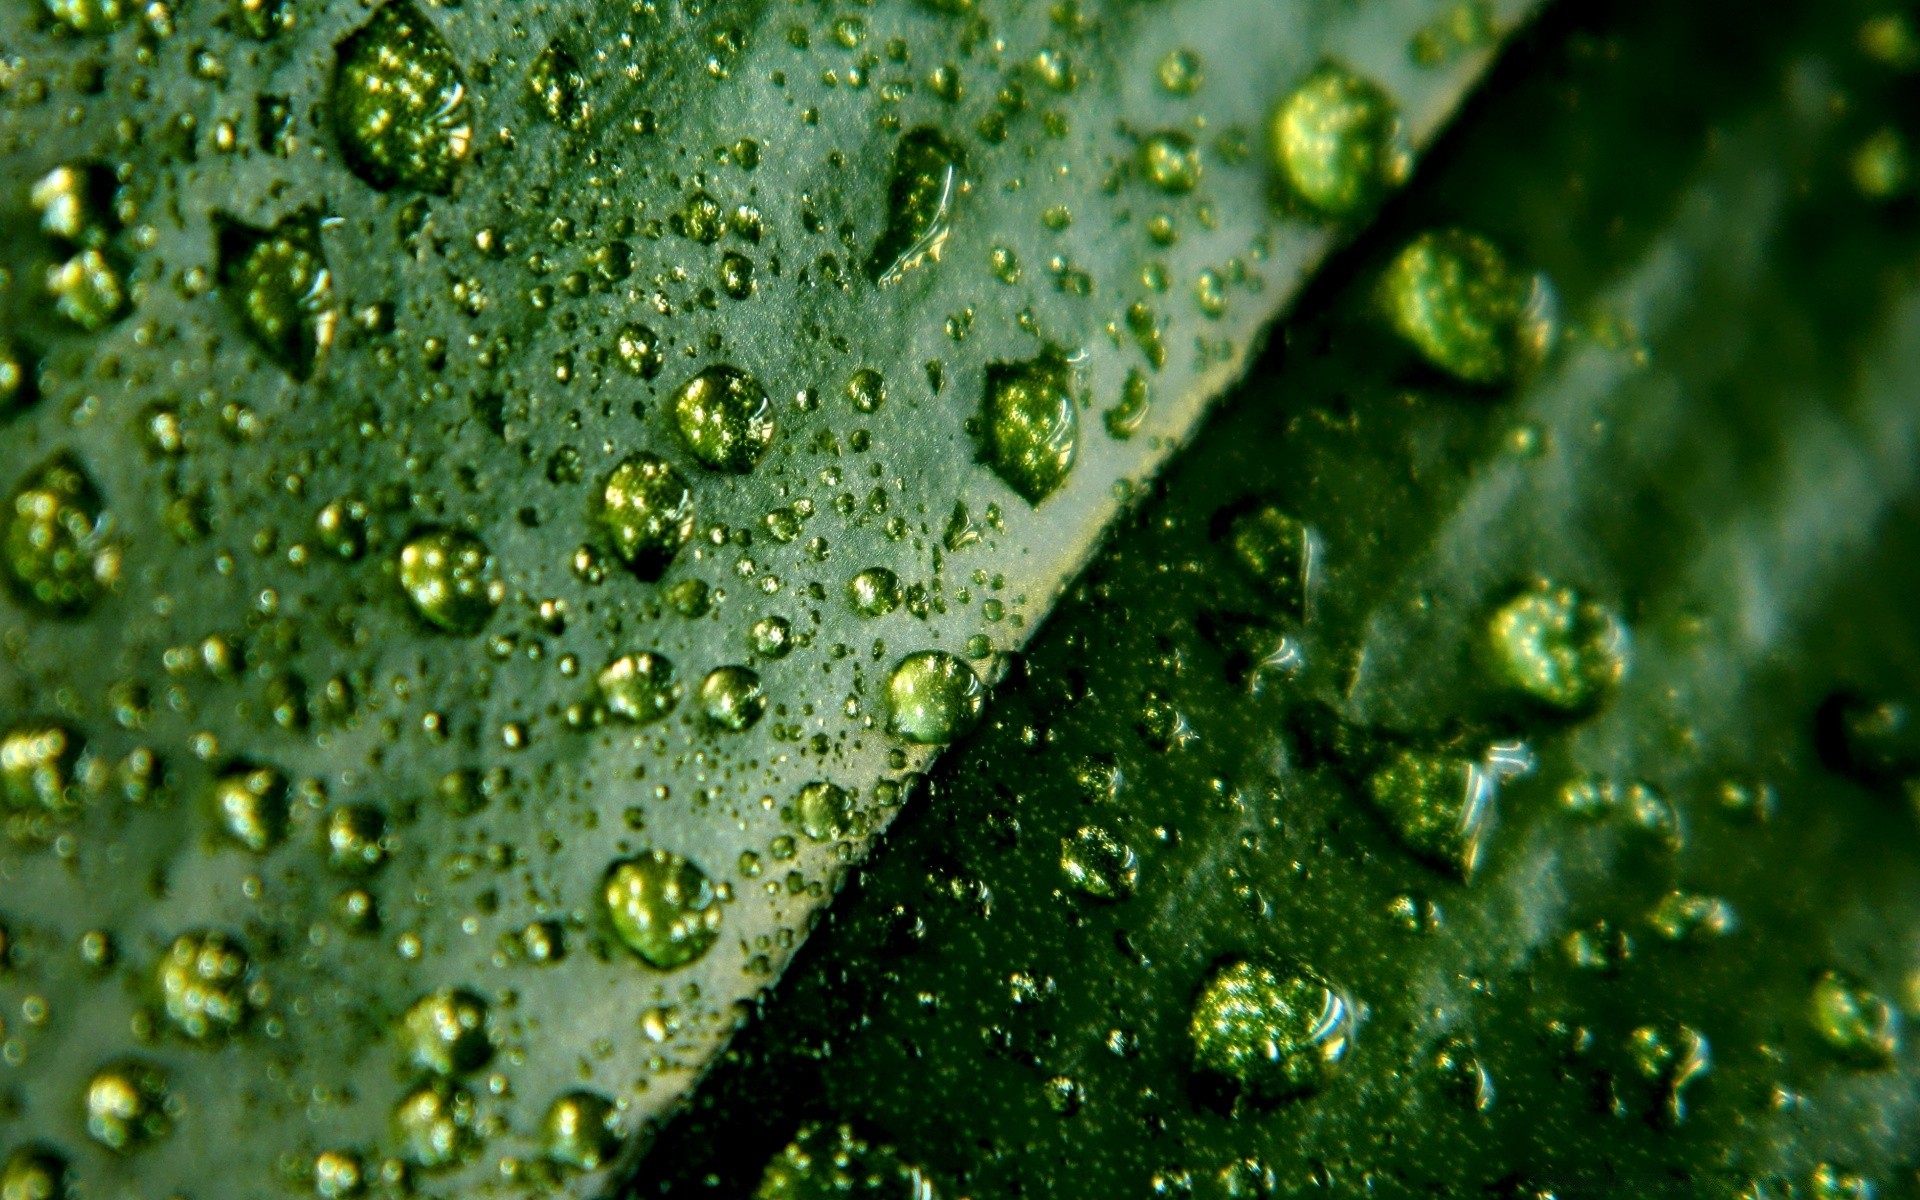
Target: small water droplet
{"type": "Point", "coordinates": [581, 1131]}
{"type": "Point", "coordinates": [1338, 142]}
{"type": "Point", "coordinates": [1854, 1020]}
{"type": "Point", "coordinates": [1455, 299]}
{"type": "Point", "coordinates": [205, 980]}
{"type": "Point", "coordinates": [1557, 648]}
{"type": "Point", "coordinates": [446, 1032]}
{"type": "Point", "coordinates": [250, 804]}
{"type": "Point", "coordinates": [1098, 864]}
{"type": "Point", "coordinates": [435, 1124]}
{"type": "Point", "coordinates": [732, 698]}
{"type": "Point", "coordinates": [875, 592]}
{"type": "Point", "coordinates": [641, 688]}
{"type": "Point", "coordinates": [126, 1105]}
{"type": "Point", "coordinates": [1170, 161]}
{"type": "Point", "coordinates": [278, 283]}
{"type": "Point", "coordinates": [830, 1160]}
{"type": "Point", "coordinates": [824, 811]}
{"type": "Point", "coordinates": [59, 557]}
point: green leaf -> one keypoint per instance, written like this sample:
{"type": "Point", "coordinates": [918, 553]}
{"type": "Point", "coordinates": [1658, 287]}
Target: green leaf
{"type": "Point", "coordinates": [500, 501]}
{"type": "Point", "coordinates": [1577, 764]}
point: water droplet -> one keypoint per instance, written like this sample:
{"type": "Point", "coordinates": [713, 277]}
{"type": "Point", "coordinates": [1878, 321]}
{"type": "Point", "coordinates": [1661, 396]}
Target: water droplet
{"type": "Point", "coordinates": [647, 508]}
{"type": "Point", "coordinates": [1873, 740]}
{"type": "Point", "coordinates": [1853, 1020]}
{"type": "Point", "coordinates": [59, 558]}
{"type": "Point", "coordinates": [1170, 161]}
{"type": "Point", "coordinates": [1881, 166]}
{"type": "Point", "coordinates": [88, 16]}
{"type": "Point", "coordinates": [356, 839]}
{"type": "Point", "coordinates": [875, 592]}
{"type": "Point", "coordinates": [278, 283]}
{"type": "Point", "coordinates": [1670, 1058]}
{"type": "Point", "coordinates": [828, 1160]}
{"type": "Point", "coordinates": [933, 698]}
{"type": "Point", "coordinates": [725, 418]}
{"type": "Point", "coordinates": [1124, 419]}
{"type": "Point", "coordinates": [434, 1124]}
{"type": "Point", "coordinates": [448, 574]}
{"type": "Point", "coordinates": [87, 290]}
{"type": "Point", "coordinates": [1439, 805]}
{"type": "Point", "coordinates": [1271, 1029]}
{"type": "Point", "coordinates": [867, 390]}
{"type": "Point", "coordinates": [1557, 648]}
{"type": "Point", "coordinates": [1098, 864]}
{"type": "Point", "coordinates": [639, 348]}
{"type": "Point", "coordinates": [1462, 1074]}
{"type": "Point", "coordinates": [338, 1175]}
{"type": "Point", "coordinates": [1180, 72]}
{"type": "Point", "coordinates": [557, 86]}
{"type": "Point", "coordinates": [663, 907]}
{"type": "Point", "coordinates": [400, 102]}
{"type": "Point", "coordinates": [251, 806]}
{"type": "Point", "coordinates": [732, 698]}
{"type": "Point", "coordinates": [38, 762]}
{"type": "Point", "coordinates": [1338, 142]}
{"type": "Point", "coordinates": [1690, 917]}
{"type": "Point", "coordinates": [1455, 299]}
{"type": "Point", "coordinates": [920, 196]}
{"type": "Point", "coordinates": [206, 980]}
{"type": "Point", "coordinates": [1278, 551]}
{"type": "Point", "coordinates": [446, 1032]}
{"type": "Point", "coordinates": [1032, 423]}
{"type": "Point", "coordinates": [771, 637]}
{"type": "Point", "coordinates": [639, 687]}
{"type": "Point", "coordinates": [126, 1105]}
{"type": "Point", "coordinates": [581, 1131]}
{"type": "Point", "coordinates": [824, 810]}
{"type": "Point", "coordinates": [34, 1173]}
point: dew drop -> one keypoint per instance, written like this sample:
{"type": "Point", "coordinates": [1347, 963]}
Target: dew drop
{"type": "Point", "coordinates": [1453, 297]}
{"type": "Point", "coordinates": [1439, 805]}
{"type": "Point", "coordinates": [276, 280]}
{"type": "Point", "coordinates": [639, 348]}
{"type": "Point", "coordinates": [1032, 423]}
{"type": "Point", "coordinates": [38, 764]}
{"type": "Point", "coordinates": [1170, 161]}
{"type": "Point", "coordinates": [933, 698]}
{"type": "Point", "coordinates": [867, 390]}
{"type": "Point", "coordinates": [1271, 1029]}
{"type": "Point", "coordinates": [1853, 1020]}
{"type": "Point", "coordinates": [126, 1106]}
{"type": "Point", "coordinates": [732, 698]}
{"type": "Point", "coordinates": [771, 637]}
{"type": "Point", "coordinates": [251, 805]}
{"type": "Point", "coordinates": [725, 418]}
{"type": "Point", "coordinates": [205, 981]}
{"type": "Point", "coordinates": [59, 557]}
{"type": "Point", "coordinates": [1557, 648]}
{"type": "Point", "coordinates": [1098, 864]}
{"type": "Point", "coordinates": [824, 811]}
{"type": "Point", "coordinates": [357, 841]}
{"type": "Point", "coordinates": [1278, 551]}
{"type": "Point", "coordinates": [647, 508]}
{"type": "Point", "coordinates": [1338, 142]}
{"type": "Point", "coordinates": [34, 1173]}
{"type": "Point", "coordinates": [400, 102]}
{"type": "Point", "coordinates": [640, 688]}
{"type": "Point", "coordinates": [435, 1124]}
{"type": "Point", "coordinates": [580, 1131]}
{"type": "Point", "coordinates": [875, 592]}
{"type": "Point", "coordinates": [446, 1032]}
{"type": "Point", "coordinates": [832, 1160]}
{"type": "Point", "coordinates": [556, 87]}
{"type": "Point", "coordinates": [920, 196]}
{"type": "Point", "coordinates": [448, 574]}
{"type": "Point", "coordinates": [663, 907]}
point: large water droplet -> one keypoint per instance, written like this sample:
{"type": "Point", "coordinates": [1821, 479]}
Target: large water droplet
{"type": "Point", "coordinates": [446, 1032]}
{"type": "Point", "coordinates": [824, 811]}
{"type": "Point", "coordinates": [1338, 142]}
{"type": "Point", "coordinates": [1032, 423]}
{"type": "Point", "coordinates": [448, 574]}
{"type": "Point", "coordinates": [1098, 864]}
{"type": "Point", "coordinates": [663, 907]}
{"type": "Point", "coordinates": [825, 1161]}
{"type": "Point", "coordinates": [1557, 648]}
{"type": "Point", "coordinates": [1455, 299]}
{"type": "Point", "coordinates": [732, 698]}
{"type": "Point", "coordinates": [59, 557]}
{"type": "Point", "coordinates": [647, 508]}
{"type": "Point", "coordinates": [1271, 1029]}
{"type": "Point", "coordinates": [920, 196]}
{"type": "Point", "coordinates": [1439, 805]}
{"type": "Point", "coordinates": [126, 1105]}
{"type": "Point", "coordinates": [250, 804]}
{"type": "Point", "coordinates": [933, 698]}
{"type": "Point", "coordinates": [434, 1124]}
{"type": "Point", "coordinates": [278, 282]}
{"type": "Point", "coordinates": [400, 102]}
{"type": "Point", "coordinates": [1854, 1020]}
{"type": "Point", "coordinates": [725, 418]}
{"type": "Point", "coordinates": [581, 1131]}
{"type": "Point", "coordinates": [206, 982]}
{"type": "Point", "coordinates": [639, 687]}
